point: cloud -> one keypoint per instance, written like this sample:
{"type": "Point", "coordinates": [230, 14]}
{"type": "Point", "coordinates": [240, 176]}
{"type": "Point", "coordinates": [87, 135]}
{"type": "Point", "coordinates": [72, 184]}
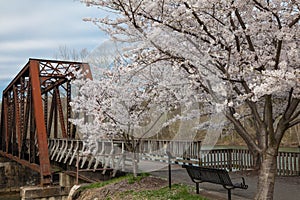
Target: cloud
{"type": "Point", "coordinates": [36, 29]}
{"type": "Point", "coordinates": [38, 44]}
{"type": "Point", "coordinates": [36, 20]}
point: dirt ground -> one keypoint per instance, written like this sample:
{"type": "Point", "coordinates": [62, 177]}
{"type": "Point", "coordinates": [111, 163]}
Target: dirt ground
{"type": "Point", "coordinates": [112, 190]}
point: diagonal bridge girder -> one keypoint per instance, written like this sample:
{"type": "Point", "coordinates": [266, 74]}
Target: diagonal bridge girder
{"type": "Point", "coordinates": [27, 117]}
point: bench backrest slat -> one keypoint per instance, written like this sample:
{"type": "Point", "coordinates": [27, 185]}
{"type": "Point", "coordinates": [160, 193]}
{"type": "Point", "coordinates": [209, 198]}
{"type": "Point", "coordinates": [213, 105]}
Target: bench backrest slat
{"type": "Point", "coordinates": [202, 174]}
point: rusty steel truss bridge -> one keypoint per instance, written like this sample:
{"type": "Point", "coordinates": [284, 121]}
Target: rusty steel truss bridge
{"type": "Point", "coordinates": [35, 107]}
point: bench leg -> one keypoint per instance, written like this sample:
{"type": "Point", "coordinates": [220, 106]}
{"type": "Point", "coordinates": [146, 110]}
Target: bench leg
{"type": "Point", "coordinates": [229, 194]}
{"type": "Point", "coordinates": [197, 188]}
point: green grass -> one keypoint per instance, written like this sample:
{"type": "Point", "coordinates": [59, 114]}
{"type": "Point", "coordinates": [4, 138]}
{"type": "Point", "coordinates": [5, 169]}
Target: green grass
{"type": "Point", "coordinates": [177, 191]}
{"type": "Point", "coordinates": [130, 178]}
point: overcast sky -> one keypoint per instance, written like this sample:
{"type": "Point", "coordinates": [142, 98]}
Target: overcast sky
{"type": "Point", "coordinates": [36, 29]}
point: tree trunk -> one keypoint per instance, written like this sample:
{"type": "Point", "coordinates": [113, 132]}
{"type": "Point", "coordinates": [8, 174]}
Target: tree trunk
{"type": "Point", "coordinates": [257, 158]}
{"type": "Point", "coordinates": [266, 175]}
{"type": "Point", "coordinates": [135, 164]}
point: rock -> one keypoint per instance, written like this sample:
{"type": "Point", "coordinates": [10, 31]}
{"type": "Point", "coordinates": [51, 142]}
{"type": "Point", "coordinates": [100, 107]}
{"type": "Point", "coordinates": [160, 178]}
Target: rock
{"type": "Point", "coordinates": [73, 191]}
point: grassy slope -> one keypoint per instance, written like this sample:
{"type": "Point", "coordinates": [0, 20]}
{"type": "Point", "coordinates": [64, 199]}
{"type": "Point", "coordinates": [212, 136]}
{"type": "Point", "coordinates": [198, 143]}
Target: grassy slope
{"type": "Point", "coordinates": [178, 191]}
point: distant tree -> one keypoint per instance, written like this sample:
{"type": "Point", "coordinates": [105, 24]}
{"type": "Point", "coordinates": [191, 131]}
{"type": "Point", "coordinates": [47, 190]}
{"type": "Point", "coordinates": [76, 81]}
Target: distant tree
{"type": "Point", "coordinates": [66, 53]}
{"type": "Point", "coordinates": [250, 46]}
{"type": "Point", "coordinates": [104, 56]}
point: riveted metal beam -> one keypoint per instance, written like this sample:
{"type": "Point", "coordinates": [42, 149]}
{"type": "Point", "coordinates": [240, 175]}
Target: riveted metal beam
{"type": "Point", "coordinates": [40, 124]}
{"type": "Point", "coordinates": [17, 130]}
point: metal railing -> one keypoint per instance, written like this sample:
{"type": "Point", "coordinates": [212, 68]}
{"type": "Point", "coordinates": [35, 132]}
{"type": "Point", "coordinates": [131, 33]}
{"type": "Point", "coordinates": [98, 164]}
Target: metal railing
{"type": "Point", "coordinates": [288, 163]}
{"type": "Point", "coordinates": [183, 152]}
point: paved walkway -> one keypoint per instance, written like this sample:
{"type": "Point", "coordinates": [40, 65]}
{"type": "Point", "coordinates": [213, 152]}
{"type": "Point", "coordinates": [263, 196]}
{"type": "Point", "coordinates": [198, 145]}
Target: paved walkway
{"type": "Point", "coordinates": [286, 188]}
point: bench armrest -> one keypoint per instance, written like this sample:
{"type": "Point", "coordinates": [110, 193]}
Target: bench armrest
{"type": "Point", "coordinates": [241, 185]}
{"type": "Point", "coordinates": [244, 186]}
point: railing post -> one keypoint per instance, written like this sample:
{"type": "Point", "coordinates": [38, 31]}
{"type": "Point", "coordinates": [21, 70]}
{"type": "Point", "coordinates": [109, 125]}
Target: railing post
{"type": "Point", "coordinates": [77, 167]}
{"type": "Point", "coordinates": [298, 155]}
{"type": "Point", "coordinates": [229, 152]}
{"type": "Point", "coordinates": [169, 168]}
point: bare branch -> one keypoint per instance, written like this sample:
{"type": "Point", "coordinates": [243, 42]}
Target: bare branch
{"type": "Point", "coordinates": [268, 117]}
{"type": "Point", "coordinates": [290, 98]}
{"type": "Point", "coordinates": [239, 17]}
{"type": "Point", "coordinates": [294, 123]}
{"type": "Point", "coordinates": [295, 116]}
{"type": "Point", "coordinates": [237, 41]}
{"type": "Point", "coordinates": [242, 132]}
{"type": "Point", "coordinates": [259, 5]}
{"type": "Point", "coordinates": [218, 20]}
{"type": "Point", "coordinates": [292, 108]}
{"type": "Point", "coordinates": [180, 30]}
{"type": "Point", "coordinates": [295, 21]}
{"type": "Point", "coordinates": [201, 23]}
{"type": "Point", "coordinates": [284, 123]}
{"type": "Point", "coordinates": [278, 52]}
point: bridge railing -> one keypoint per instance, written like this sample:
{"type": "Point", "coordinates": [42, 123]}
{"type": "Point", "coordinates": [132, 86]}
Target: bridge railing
{"type": "Point", "coordinates": [177, 148]}
{"type": "Point", "coordinates": [65, 150]}
{"type": "Point", "coordinates": [238, 159]}
{"type": "Point", "coordinates": [231, 159]}
{"type": "Point", "coordinates": [183, 152]}
{"type": "Point", "coordinates": [288, 163]}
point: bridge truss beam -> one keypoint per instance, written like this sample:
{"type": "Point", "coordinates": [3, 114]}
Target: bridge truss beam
{"type": "Point", "coordinates": [35, 101]}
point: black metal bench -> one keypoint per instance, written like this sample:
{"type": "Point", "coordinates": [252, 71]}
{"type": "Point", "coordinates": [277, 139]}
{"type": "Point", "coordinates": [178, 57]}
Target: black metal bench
{"type": "Point", "coordinates": [211, 175]}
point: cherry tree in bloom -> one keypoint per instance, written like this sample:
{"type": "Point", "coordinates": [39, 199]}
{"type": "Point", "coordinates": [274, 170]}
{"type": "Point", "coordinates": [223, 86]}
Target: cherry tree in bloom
{"type": "Point", "coordinates": [129, 103]}
{"type": "Point", "coordinates": [242, 56]}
